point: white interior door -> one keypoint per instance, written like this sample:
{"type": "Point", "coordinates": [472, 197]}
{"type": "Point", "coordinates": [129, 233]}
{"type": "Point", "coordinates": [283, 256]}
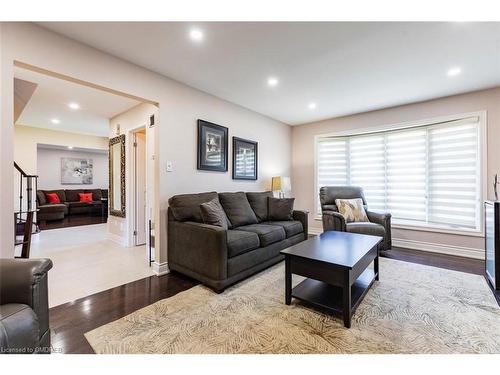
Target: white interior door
{"type": "Point", "coordinates": [140, 189]}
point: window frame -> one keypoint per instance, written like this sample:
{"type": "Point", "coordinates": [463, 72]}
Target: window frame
{"type": "Point", "coordinates": [435, 121]}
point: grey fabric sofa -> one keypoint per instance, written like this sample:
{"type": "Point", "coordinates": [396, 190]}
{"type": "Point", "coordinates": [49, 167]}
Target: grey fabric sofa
{"type": "Point", "coordinates": [24, 309]}
{"type": "Point", "coordinates": [379, 225]}
{"type": "Point", "coordinates": [218, 257]}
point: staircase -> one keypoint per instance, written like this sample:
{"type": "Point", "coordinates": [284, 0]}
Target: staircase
{"type": "Point", "coordinates": [24, 224]}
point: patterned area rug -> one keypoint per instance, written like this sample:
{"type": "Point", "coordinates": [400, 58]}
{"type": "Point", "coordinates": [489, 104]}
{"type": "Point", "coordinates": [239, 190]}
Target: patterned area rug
{"type": "Point", "coordinates": [412, 309]}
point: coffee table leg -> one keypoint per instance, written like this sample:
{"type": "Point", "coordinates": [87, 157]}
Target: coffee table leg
{"type": "Point", "coordinates": [375, 266]}
{"type": "Point", "coordinates": [347, 308]}
{"type": "Point", "coordinates": [288, 282]}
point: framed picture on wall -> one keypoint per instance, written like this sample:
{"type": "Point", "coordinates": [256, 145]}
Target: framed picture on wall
{"type": "Point", "coordinates": [212, 147]}
{"type": "Point", "coordinates": [245, 159]}
{"type": "Point", "coordinates": [75, 171]}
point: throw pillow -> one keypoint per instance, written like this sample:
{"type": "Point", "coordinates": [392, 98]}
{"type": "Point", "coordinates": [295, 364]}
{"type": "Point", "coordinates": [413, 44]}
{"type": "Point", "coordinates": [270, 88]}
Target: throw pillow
{"type": "Point", "coordinates": [351, 209]}
{"type": "Point", "coordinates": [238, 210]}
{"type": "Point", "coordinates": [280, 209]}
{"type": "Point", "coordinates": [259, 204]}
{"type": "Point", "coordinates": [212, 213]}
{"type": "Point", "coordinates": [85, 197]}
{"type": "Point", "coordinates": [52, 198]}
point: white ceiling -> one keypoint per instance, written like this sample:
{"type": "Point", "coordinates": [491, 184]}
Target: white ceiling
{"type": "Point", "coordinates": [345, 68]}
{"type": "Point", "coordinates": [52, 96]}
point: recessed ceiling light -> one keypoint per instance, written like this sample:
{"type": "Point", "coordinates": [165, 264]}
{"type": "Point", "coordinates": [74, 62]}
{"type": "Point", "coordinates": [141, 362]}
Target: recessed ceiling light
{"type": "Point", "coordinates": [196, 35]}
{"type": "Point", "coordinates": [454, 71]}
{"type": "Point", "coordinates": [74, 105]}
{"type": "Point", "coordinates": [55, 121]}
{"type": "Point", "coordinates": [272, 81]}
{"type": "Point", "coordinates": [70, 147]}
{"type": "Point", "coordinates": [312, 105]}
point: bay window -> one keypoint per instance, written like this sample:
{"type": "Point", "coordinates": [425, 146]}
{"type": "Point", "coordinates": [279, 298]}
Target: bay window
{"type": "Point", "coordinates": [427, 175]}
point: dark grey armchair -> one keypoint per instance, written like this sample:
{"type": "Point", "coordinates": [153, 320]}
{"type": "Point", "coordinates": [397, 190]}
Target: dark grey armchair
{"type": "Point", "coordinates": [379, 224]}
{"type": "Point", "coordinates": [24, 306]}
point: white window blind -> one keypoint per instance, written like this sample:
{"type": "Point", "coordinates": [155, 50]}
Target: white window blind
{"type": "Point", "coordinates": [427, 175]}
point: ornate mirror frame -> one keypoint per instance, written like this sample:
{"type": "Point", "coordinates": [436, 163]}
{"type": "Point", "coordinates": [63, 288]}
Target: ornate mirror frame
{"type": "Point", "coordinates": [121, 213]}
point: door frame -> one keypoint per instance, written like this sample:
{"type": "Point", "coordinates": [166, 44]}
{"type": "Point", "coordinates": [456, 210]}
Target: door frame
{"type": "Point", "coordinates": [133, 187]}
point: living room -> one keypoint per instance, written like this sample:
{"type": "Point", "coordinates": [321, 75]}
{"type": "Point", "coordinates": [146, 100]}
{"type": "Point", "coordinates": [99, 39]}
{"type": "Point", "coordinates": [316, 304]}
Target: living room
{"type": "Point", "coordinates": [299, 199]}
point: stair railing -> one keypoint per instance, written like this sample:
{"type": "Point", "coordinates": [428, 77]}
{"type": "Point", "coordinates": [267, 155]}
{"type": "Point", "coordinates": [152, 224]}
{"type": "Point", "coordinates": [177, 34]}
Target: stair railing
{"type": "Point", "coordinates": [27, 207]}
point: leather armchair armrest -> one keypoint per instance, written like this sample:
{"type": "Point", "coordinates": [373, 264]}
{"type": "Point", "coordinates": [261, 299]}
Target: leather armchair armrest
{"type": "Point", "coordinates": [333, 221]}
{"type": "Point", "coordinates": [25, 281]}
{"type": "Point", "coordinates": [302, 216]}
{"type": "Point", "coordinates": [382, 218]}
{"type": "Point", "coordinates": [199, 247]}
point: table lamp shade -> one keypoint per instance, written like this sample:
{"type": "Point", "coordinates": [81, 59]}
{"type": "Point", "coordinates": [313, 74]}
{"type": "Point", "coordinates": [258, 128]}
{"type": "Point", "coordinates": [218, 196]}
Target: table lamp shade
{"type": "Point", "coordinates": [281, 183]}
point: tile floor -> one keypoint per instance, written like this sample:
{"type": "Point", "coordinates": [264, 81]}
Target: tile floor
{"type": "Point", "coordinates": [86, 262]}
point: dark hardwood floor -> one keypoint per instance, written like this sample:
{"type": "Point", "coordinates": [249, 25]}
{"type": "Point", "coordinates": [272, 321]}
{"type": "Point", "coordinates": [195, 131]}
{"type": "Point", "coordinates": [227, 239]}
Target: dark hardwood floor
{"type": "Point", "coordinates": [70, 321]}
{"type": "Point", "coordinates": [73, 221]}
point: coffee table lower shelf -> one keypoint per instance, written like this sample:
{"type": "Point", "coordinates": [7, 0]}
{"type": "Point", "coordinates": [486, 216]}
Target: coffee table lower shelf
{"type": "Point", "coordinates": [329, 297]}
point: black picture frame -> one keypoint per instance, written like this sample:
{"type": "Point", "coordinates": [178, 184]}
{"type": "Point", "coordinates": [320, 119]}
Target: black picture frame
{"type": "Point", "coordinates": [212, 147]}
{"type": "Point", "coordinates": [238, 145]}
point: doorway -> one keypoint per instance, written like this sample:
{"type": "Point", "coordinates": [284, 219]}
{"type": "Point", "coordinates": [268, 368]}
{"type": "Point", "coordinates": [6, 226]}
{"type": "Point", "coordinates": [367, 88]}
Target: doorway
{"type": "Point", "coordinates": [65, 119]}
{"type": "Point", "coordinates": [140, 187]}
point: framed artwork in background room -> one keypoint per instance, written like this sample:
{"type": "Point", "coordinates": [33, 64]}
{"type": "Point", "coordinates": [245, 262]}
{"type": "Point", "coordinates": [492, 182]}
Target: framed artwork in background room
{"type": "Point", "coordinates": [212, 147]}
{"type": "Point", "coordinates": [245, 159]}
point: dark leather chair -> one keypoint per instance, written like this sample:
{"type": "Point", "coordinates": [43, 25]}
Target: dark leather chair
{"type": "Point", "coordinates": [379, 224]}
{"type": "Point", "coordinates": [24, 306]}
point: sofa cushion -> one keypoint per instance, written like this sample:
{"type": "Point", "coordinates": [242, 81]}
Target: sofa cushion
{"type": "Point", "coordinates": [55, 207]}
{"type": "Point", "coordinates": [238, 210]}
{"type": "Point", "coordinates": [364, 227]}
{"type": "Point", "coordinates": [73, 195]}
{"type": "Point", "coordinates": [268, 234]}
{"type": "Point", "coordinates": [96, 194]}
{"type": "Point", "coordinates": [291, 227]}
{"type": "Point", "coordinates": [212, 213]}
{"type": "Point", "coordinates": [53, 198]}
{"type": "Point", "coordinates": [104, 193]}
{"type": "Point", "coordinates": [186, 207]}
{"type": "Point", "coordinates": [40, 196]}
{"type": "Point", "coordinates": [280, 209]}
{"type": "Point", "coordinates": [60, 193]}
{"type": "Point", "coordinates": [258, 202]}
{"type": "Point", "coordinates": [79, 204]}
{"type": "Point", "coordinates": [239, 242]}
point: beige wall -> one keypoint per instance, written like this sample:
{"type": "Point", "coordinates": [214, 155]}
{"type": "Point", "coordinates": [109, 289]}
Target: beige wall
{"type": "Point", "coordinates": [303, 150]}
{"type": "Point", "coordinates": [49, 168]}
{"type": "Point", "coordinates": [179, 108]}
{"type": "Point", "coordinates": [26, 139]}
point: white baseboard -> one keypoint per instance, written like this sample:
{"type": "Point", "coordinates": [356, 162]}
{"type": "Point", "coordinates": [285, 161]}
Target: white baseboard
{"type": "Point", "coordinates": [118, 239]}
{"type": "Point", "coordinates": [460, 251]}
{"type": "Point", "coordinates": [467, 252]}
{"type": "Point", "coordinates": [160, 268]}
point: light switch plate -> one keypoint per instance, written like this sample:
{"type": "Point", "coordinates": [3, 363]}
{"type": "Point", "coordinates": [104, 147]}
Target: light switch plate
{"type": "Point", "coordinates": [170, 166]}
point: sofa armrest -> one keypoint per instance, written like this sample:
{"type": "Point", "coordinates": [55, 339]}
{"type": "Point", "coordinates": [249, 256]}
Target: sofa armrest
{"type": "Point", "coordinates": [199, 247]}
{"type": "Point", "coordinates": [302, 216]}
{"type": "Point", "coordinates": [25, 281]}
{"type": "Point", "coordinates": [333, 221]}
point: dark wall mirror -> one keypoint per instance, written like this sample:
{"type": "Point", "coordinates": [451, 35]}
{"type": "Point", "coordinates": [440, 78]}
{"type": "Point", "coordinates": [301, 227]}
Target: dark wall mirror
{"type": "Point", "coordinates": [117, 176]}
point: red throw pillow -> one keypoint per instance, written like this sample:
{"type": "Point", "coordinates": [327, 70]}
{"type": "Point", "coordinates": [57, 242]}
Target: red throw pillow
{"type": "Point", "coordinates": [85, 197]}
{"type": "Point", "coordinates": [53, 198]}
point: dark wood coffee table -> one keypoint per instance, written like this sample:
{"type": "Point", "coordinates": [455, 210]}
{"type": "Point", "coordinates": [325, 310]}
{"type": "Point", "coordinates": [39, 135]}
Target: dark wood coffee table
{"type": "Point", "coordinates": [336, 267]}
